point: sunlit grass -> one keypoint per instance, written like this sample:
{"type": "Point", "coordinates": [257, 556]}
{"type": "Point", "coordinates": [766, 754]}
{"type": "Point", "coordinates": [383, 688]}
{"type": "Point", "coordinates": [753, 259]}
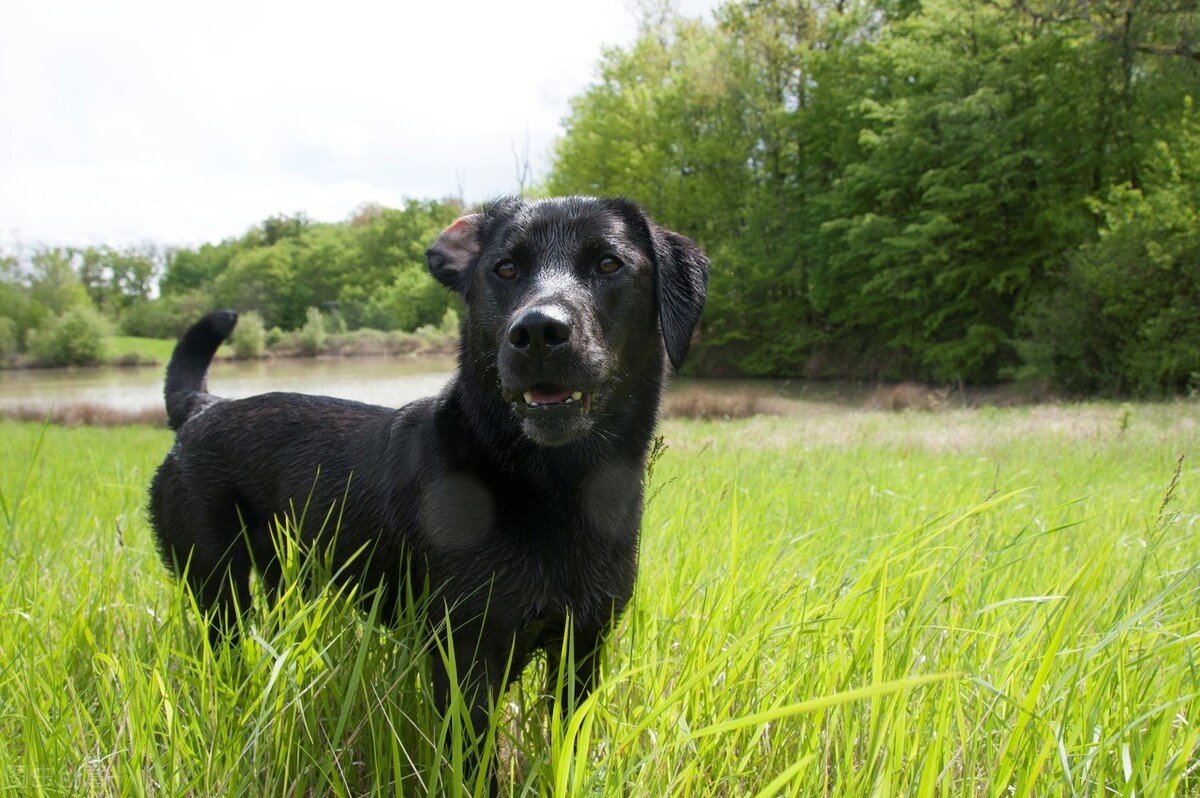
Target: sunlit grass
{"type": "Point", "coordinates": [834, 603]}
{"type": "Point", "coordinates": [146, 350]}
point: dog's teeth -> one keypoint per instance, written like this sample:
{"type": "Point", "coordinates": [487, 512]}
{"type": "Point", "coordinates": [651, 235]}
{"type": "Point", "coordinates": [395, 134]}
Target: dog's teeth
{"type": "Point", "coordinates": [575, 397]}
{"type": "Point", "coordinates": [529, 398]}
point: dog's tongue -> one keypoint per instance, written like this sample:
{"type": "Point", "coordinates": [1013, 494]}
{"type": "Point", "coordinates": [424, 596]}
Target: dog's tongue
{"type": "Point", "coordinates": [545, 396]}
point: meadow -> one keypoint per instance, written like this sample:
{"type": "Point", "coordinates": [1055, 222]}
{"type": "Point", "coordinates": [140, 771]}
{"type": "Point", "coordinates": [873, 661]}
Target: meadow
{"type": "Point", "coordinates": [831, 602]}
{"type": "Point", "coordinates": [134, 349]}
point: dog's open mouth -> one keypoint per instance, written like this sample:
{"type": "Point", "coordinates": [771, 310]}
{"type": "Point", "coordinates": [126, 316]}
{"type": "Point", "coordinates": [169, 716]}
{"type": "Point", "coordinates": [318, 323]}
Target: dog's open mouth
{"type": "Point", "coordinates": [553, 414]}
{"type": "Point", "coordinates": [546, 396]}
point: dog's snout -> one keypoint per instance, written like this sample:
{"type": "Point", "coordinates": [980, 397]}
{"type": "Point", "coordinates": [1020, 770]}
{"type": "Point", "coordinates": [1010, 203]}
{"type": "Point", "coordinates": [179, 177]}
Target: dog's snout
{"type": "Point", "coordinates": [540, 331]}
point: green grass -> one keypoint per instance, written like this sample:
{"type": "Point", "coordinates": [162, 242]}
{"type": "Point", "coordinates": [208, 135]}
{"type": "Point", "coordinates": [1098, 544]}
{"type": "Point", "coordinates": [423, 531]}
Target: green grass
{"type": "Point", "coordinates": [156, 350]}
{"type": "Point", "coordinates": [976, 603]}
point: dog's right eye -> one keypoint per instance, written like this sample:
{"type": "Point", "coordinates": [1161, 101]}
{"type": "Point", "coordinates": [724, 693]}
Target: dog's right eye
{"type": "Point", "coordinates": [506, 269]}
{"type": "Point", "coordinates": [608, 265]}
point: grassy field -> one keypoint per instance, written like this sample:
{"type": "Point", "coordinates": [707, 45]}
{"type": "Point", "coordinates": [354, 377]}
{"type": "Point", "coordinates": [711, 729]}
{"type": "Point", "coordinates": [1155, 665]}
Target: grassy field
{"type": "Point", "coordinates": [833, 602]}
{"type": "Point", "coordinates": [146, 350]}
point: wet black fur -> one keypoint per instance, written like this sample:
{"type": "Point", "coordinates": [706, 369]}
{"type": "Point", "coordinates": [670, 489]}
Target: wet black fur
{"type": "Point", "coordinates": [517, 518]}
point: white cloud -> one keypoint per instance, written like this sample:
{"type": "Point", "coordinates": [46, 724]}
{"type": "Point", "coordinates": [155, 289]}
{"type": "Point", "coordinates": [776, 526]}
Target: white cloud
{"type": "Point", "coordinates": [148, 120]}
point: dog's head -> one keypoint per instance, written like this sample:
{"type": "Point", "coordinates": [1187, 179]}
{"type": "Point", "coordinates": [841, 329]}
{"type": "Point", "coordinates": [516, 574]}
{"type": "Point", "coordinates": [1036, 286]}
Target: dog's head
{"type": "Point", "coordinates": [571, 302]}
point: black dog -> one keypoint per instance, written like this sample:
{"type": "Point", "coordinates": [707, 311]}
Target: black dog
{"type": "Point", "coordinates": [515, 495]}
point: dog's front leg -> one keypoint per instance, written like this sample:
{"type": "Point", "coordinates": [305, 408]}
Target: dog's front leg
{"type": "Point", "coordinates": [469, 672]}
{"type": "Point", "coordinates": [568, 690]}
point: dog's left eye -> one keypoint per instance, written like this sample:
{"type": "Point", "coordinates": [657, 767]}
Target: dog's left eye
{"type": "Point", "coordinates": [608, 265]}
{"type": "Point", "coordinates": [506, 269]}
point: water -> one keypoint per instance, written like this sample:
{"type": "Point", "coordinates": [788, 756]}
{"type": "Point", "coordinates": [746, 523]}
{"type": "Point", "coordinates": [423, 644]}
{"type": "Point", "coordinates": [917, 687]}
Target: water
{"type": "Point", "coordinates": [384, 381]}
{"type": "Point", "coordinates": [390, 382]}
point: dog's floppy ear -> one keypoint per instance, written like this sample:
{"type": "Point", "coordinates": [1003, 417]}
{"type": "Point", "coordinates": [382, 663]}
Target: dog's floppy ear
{"type": "Point", "coordinates": [681, 287]}
{"type": "Point", "coordinates": [452, 253]}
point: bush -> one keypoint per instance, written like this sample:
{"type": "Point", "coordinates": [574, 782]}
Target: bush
{"type": "Point", "coordinates": [249, 337]}
{"type": "Point", "coordinates": [79, 337]}
{"type": "Point", "coordinates": [314, 337]}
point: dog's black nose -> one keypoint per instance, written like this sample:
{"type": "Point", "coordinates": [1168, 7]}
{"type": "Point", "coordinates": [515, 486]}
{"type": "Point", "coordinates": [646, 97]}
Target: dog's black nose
{"type": "Point", "coordinates": [539, 331]}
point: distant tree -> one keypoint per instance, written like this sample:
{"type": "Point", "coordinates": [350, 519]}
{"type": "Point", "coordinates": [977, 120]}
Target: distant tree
{"type": "Point", "coordinates": [188, 270]}
{"type": "Point", "coordinates": [133, 272]}
{"type": "Point", "coordinates": [258, 279]}
{"type": "Point", "coordinates": [54, 285]}
{"type": "Point", "coordinates": [279, 228]}
{"type": "Point", "coordinates": [115, 277]}
{"type": "Point", "coordinates": [288, 264]}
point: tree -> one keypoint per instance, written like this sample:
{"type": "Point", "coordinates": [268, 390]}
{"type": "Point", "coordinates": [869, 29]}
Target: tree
{"type": "Point", "coordinates": [961, 195]}
{"type": "Point", "coordinates": [1124, 318]}
{"type": "Point", "coordinates": [54, 286]}
{"type": "Point", "coordinates": [886, 188]}
{"type": "Point", "coordinates": [189, 270]}
{"type": "Point", "coordinates": [258, 279]}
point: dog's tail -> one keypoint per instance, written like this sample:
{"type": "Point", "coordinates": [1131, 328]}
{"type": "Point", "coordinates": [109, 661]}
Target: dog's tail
{"type": "Point", "coordinates": [186, 390]}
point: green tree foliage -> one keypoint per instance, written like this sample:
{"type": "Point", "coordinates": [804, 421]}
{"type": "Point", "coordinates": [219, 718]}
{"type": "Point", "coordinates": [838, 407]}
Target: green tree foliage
{"type": "Point", "coordinates": [370, 268]}
{"type": "Point", "coordinates": [53, 284]}
{"type": "Point", "coordinates": [195, 269]}
{"type": "Point", "coordinates": [887, 189]}
{"type": "Point", "coordinates": [115, 278]}
{"type": "Point", "coordinates": [259, 279]}
{"type": "Point", "coordinates": [39, 287]}
{"type": "Point", "coordinates": [165, 316]}
{"type": "Point", "coordinates": [78, 337]}
{"type": "Point", "coordinates": [393, 290]}
{"type": "Point", "coordinates": [968, 183]}
{"type": "Point", "coordinates": [953, 190]}
{"type": "Point", "coordinates": [1126, 316]}
{"type": "Point", "coordinates": [412, 300]}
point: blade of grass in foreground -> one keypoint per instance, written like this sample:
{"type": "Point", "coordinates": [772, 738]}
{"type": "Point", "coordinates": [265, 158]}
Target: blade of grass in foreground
{"type": "Point", "coordinates": [817, 704]}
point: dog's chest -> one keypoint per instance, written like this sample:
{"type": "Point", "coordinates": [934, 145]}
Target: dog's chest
{"type": "Point", "coordinates": [547, 548]}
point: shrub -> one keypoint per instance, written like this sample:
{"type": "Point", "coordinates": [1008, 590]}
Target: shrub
{"type": "Point", "coordinates": [314, 337]}
{"type": "Point", "coordinates": [79, 337]}
{"type": "Point", "coordinates": [249, 337]}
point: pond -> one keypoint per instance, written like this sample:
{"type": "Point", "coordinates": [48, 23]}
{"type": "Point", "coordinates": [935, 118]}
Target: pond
{"type": "Point", "coordinates": [378, 380]}
{"type": "Point", "coordinates": [387, 381]}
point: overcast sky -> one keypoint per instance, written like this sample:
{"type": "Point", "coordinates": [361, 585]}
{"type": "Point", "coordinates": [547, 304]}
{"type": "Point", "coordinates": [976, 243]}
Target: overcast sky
{"type": "Point", "coordinates": [176, 123]}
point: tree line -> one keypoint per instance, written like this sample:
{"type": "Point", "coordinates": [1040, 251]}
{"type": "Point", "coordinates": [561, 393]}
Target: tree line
{"type": "Point", "coordinates": [948, 190]}
{"type": "Point", "coordinates": [367, 272]}
{"type": "Point", "coordinates": [945, 190]}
